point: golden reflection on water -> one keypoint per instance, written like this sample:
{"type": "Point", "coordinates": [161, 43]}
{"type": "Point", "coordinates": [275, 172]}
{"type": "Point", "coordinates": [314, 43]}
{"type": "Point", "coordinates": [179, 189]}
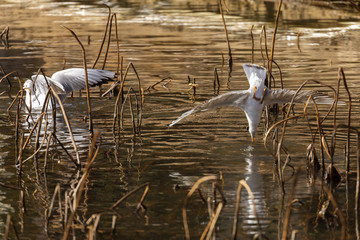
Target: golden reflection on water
{"type": "Point", "coordinates": [177, 40]}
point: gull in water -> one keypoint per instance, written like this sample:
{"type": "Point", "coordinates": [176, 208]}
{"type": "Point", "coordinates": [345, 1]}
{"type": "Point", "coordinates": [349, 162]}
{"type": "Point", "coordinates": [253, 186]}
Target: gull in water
{"type": "Point", "coordinates": [63, 82]}
{"type": "Point", "coordinates": [253, 100]}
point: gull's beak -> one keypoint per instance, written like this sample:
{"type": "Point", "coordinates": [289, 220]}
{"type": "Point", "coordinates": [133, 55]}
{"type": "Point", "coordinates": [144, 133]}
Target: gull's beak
{"type": "Point", "coordinates": [252, 139]}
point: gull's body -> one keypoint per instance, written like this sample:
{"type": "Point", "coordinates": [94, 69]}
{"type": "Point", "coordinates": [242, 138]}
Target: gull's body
{"type": "Point", "coordinates": [253, 100]}
{"type": "Point", "coordinates": [63, 82]}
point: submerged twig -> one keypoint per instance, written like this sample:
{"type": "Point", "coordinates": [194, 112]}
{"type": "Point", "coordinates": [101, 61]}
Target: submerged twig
{"type": "Point", "coordinates": [191, 192]}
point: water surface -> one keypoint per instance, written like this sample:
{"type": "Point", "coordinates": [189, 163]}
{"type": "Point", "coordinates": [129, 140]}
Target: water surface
{"type": "Point", "coordinates": [172, 39]}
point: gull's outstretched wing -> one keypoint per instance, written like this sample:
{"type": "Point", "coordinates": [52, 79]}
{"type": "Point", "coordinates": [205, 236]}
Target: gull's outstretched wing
{"type": "Point", "coordinates": [285, 96]}
{"type": "Point", "coordinates": [40, 85]}
{"type": "Point", "coordinates": [233, 98]}
{"type": "Point", "coordinates": [73, 79]}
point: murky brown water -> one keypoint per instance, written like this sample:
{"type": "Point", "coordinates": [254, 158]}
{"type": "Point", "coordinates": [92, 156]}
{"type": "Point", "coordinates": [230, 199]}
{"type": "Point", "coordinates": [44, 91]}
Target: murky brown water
{"type": "Point", "coordinates": [177, 40]}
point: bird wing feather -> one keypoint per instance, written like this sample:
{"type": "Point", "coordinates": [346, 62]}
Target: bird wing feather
{"type": "Point", "coordinates": [285, 96]}
{"type": "Point", "coordinates": [233, 98]}
{"type": "Point", "coordinates": [74, 78]}
{"type": "Point", "coordinates": [41, 85]}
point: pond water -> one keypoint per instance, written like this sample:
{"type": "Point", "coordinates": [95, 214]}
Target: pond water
{"type": "Point", "coordinates": [176, 39]}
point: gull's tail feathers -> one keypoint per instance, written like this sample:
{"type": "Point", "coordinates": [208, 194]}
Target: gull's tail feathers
{"type": "Point", "coordinates": [250, 69]}
{"type": "Point", "coordinates": [233, 98]}
{"type": "Point", "coordinates": [285, 96]}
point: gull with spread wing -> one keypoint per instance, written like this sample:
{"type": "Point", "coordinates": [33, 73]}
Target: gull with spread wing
{"type": "Point", "coordinates": [253, 100]}
{"type": "Point", "coordinates": [63, 82]}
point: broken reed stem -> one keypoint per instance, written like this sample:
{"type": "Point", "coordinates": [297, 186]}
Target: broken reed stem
{"type": "Point", "coordinates": [146, 185]}
{"type": "Point", "coordinates": [341, 76]}
{"type": "Point", "coordinates": [86, 79]}
{"type": "Point", "coordinates": [80, 187]}
{"type": "Point", "coordinates": [57, 192]}
{"type": "Point", "coordinates": [214, 220]}
{"type": "Point", "coordinates": [47, 150]}
{"type": "Point", "coordinates": [252, 44]}
{"type": "Point", "coordinates": [341, 126]}
{"type": "Point", "coordinates": [280, 73]}
{"type": "Point", "coordinates": [226, 35]}
{"type": "Point", "coordinates": [298, 41]}
{"type": "Point", "coordinates": [103, 41]}
{"type": "Point", "coordinates": [288, 207]}
{"type": "Point", "coordinates": [117, 46]}
{"type": "Point", "coordinates": [216, 82]}
{"type": "Point", "coordinates": [243, 183]}
{"type": "Point", "coordinates": [108, 42]}
{"type": "Point", "coordinates": [273, 42]}
{"type": "Point", "coordinates": [78, 163]}
{"type": "Point", "coordinates": [6, 75]}
{"type": "Point", "coordinates": [191, 192]}
{"type": "Point", "coordinates": [263, 30]}
{"type": "Point", "coordinates": [337, 212]}
{"type": "Point", "coordinates": [9, 222]}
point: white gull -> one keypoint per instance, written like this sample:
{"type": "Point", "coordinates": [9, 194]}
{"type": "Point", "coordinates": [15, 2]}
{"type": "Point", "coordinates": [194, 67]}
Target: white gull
{"type": "Point", "coordinates": [253, 100]}
{"type": "Point", "coordinates": [63, 82]}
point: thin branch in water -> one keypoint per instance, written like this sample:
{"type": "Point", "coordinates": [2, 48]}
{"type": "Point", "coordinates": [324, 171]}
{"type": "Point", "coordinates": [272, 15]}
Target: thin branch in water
{"type": "Point", "coordinates": [103, 41]}
{"type": "Point", "coordinates": [252, 44]}
{"type": "Point", "coordinates": [242, 183]}
{"type": "Point", "coordinates": [227, 37]}
{"type": "Point", "coordinates": [86, 79]}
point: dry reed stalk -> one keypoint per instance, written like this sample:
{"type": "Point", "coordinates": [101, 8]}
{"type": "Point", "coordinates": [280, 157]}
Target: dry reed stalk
{"type": "Point", "coordinates": [263, 30]}
{"type": "Point", "coordinates": [341, 76]}
{"type": "Point", "coordinates": [108, 42]}
{"type": "Point", "coordinates": [356, 131]}
{"type": "Point", "coordinates": [57, 192]}
{"type": "Point", "coordinates": [213, 221]}
{"type": "Point", "coordinates": [80, 187]}
{"type": "Point", "coordinates": [86, 80]}
{"type": "Point", "coordinates": [273, 42]}
{"type": "Point", "coordinates": [168, 79]}
{"type": "Point", "coordinates": [298, 41]}
{"type": "Point", "coordinates": [104, 38]}
{"type": "Point", "coordinates": [78, 163]}
{"type": "Point", "coordinates": [252, 44]}
{"type": "Point", "coordinates": [37, 146]}
{"type": "Point", "coordinates": [113, 224]}
{"type": "Point", "coordinates": [338, 212]}
{"type": "Point", "coordinates": [242, 183]}
{"type": "Point", "coordinates": [6, 75]}
{"type": "Point", "coordinates": [9, 222]}
{"type": "Point", "coordinates": [93, 228]}
{"type": "Point", "coordinates": [288, 207]}
{"type": "Point", "coordinates": [227, 37]}
{"type": "Point", "coordinates": [18, 162]}
{"type": "Point", "coordinates": [47, 150]}
{"type": "Point", "coordinates": [146, 185]}
{"type": "Point", "coordinates": [128, 96]}
{"type": "Point", "coordinates": [191, 192]}
{"type": "Point", "coordinates": [216, 82]}
{"type": "Point", "coordinates": [280, 73]}
{"type": "Point", "coordinates": [4, 37]}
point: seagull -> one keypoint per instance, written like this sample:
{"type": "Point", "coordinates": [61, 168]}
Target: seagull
{"type": "Point", "coordinates": [253, 100]}
{"type": "Point", "coordinates": [63, 82]}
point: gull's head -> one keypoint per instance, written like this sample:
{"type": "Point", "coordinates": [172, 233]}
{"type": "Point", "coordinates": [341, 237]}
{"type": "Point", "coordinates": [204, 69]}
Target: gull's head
{"type": "Point", "coordinates": [28, 86]}
{"type": "Point", "coordinates": [29, 90]}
